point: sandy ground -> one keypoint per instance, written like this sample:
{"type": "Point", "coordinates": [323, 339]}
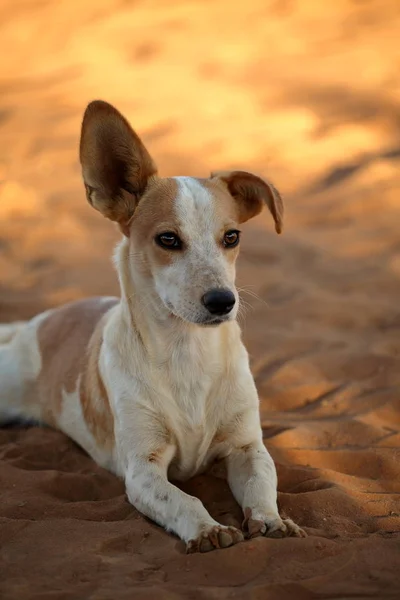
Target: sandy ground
{"type": "Point", "coordinates": [308, 94]}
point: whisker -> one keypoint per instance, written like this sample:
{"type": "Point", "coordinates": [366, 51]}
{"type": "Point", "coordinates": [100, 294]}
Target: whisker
{"type": "Point", "coordinates": [253, 295]}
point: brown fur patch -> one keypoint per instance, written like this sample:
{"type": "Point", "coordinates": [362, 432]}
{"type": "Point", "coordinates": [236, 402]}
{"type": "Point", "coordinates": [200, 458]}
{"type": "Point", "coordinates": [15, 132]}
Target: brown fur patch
{"type": "Point", "coordinates": [70, 340]}
{"type": "Point", "coordinates": [219, 437]}
{"type": "Point", "coordinates": [156, 209]}
{"type": "Point", "coordinates": [154, 457]}
{"type": "Point", "coordinates": [94, 399]}
{"type": "Point", "coordinates": [246, 447]}
{"type": "Point", "coordinates": [154, 215]}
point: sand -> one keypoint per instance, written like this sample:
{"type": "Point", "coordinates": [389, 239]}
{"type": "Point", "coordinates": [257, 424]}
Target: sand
{"type": "Point", "coordinates": [306, 93]}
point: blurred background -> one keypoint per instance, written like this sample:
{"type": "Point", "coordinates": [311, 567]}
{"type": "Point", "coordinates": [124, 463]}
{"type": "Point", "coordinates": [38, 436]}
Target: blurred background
{"type": "Point", "coordinates": [304, 92]}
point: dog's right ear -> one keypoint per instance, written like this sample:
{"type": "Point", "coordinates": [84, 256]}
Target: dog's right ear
{"type": "Point", "coordinates": [116, 166]}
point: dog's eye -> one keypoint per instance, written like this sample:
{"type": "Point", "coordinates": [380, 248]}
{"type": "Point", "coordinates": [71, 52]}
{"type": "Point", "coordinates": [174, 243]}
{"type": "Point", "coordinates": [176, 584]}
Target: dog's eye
{"type": "Point", "coordinates": [231, 238]}
{"type": "Point", "coordinates": [169, 241]}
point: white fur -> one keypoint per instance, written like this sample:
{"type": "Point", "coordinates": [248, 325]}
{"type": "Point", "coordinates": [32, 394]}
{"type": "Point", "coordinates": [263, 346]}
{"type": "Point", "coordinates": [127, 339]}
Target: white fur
{"type": "Point", "coordinates": [20, 365]}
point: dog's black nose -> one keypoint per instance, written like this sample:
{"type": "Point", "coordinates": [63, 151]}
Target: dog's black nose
{"type": "Point", "coordinates": [219, 301]}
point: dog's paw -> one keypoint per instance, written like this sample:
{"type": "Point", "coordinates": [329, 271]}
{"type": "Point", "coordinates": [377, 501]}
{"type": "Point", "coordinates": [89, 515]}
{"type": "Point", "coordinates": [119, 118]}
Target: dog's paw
{"type": "Point", "coordinates": [215, 538]}
{"type": "Point", "coordinates": [273, 527]}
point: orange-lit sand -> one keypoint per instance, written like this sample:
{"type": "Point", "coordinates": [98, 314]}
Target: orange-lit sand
{"type": "Point", "coordinates": [307, 93]}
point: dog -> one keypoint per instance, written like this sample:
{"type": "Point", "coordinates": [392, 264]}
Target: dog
{"type": "Point", "coordinates": [156, 385]}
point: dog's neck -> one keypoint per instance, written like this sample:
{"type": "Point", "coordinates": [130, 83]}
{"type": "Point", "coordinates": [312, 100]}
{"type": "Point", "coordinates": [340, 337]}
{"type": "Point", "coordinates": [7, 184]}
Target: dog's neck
{"type": "Point", "coordinates": [161, 334]}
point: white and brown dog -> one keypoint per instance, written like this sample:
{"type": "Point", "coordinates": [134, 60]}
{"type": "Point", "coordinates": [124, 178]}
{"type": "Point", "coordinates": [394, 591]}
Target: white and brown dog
{"type": "Point", "coordinates": [156, 385]}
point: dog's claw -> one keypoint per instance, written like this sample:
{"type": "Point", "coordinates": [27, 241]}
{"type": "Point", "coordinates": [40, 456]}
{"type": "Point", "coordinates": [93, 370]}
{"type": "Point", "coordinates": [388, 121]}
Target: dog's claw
{"type": "Point", "coordinates": [271, 527]}
{"type": "Point", "coordinates": [216, 537]}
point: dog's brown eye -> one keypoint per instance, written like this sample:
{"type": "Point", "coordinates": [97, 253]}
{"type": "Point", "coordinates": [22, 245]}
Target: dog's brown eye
{"type": "Point", "coordinates": [169, 241]}
{"type": "Point", "coordinates": [231, 238]}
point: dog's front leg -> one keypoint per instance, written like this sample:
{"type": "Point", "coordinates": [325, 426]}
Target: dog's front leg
{"type": "Point", "coordinates": [253, 481]}
{"type": "Point", "coordinates": [149, 490]}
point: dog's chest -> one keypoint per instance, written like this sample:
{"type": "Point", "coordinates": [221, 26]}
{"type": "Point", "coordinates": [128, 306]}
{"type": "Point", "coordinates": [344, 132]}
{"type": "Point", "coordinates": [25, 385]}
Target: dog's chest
{"type": "Point", "coordinates": [193, 448]}
{"type": "Point", "coordinates": [194, 418]}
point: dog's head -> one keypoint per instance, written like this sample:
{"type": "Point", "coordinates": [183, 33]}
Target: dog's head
{"type": "Point", "coordinates": [183, 232]}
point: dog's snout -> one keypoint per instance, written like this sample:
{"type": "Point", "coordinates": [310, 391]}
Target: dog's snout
{"type": "Point", "coordinates": [219, 301]}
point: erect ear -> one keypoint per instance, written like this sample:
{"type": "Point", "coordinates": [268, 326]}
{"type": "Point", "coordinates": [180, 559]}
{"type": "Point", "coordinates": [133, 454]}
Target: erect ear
{"type": "Point", "coordinates": [251, 193]}
{"type": "Point", "coordinates": [116, 166]}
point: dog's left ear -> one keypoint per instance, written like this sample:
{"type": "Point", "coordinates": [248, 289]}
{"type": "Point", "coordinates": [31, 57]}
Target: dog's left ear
{"type": "Point", "coordinates": [251, 193]}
